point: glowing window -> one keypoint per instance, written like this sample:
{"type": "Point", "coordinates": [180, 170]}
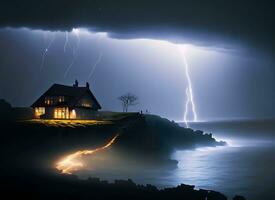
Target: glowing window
{"type": "Point", "coordinates": [39, 111]}
{"type": "Point", "coordinates": [86, 105]}
{"type": "Point", "coordinates": [73, 114]}
{"type": "Point", "coordinates": [61, 99]}
{"type": "Point", "coordinates": [61, 113]}
{"type": "Point", "coordinates": [49, 100]}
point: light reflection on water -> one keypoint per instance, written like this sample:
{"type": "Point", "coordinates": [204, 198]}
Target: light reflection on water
{"type": "Point", "coordinates": [246, 166]}
{"type": "Point", "coordinates": [243, 167]}
{"type": "Point", "coordinates": [202, 167]}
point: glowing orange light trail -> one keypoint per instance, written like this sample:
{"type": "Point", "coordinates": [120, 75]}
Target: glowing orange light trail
{"type": "Point", "coordinates": [69, 164]}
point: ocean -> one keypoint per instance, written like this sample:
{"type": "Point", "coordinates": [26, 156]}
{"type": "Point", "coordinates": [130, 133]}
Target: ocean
{"type": "Point", "coordinates": [246, 166]}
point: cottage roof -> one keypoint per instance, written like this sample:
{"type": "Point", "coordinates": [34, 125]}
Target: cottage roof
{"type": "Point", "coordinates": [72, 94]}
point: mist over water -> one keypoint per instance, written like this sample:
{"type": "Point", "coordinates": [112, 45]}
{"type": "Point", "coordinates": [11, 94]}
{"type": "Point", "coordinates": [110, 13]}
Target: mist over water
{"type": "Point", "coordinates": [246, 166]}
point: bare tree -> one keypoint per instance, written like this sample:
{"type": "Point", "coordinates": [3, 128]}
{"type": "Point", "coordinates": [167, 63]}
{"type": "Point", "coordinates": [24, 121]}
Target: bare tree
{"type": "Point", "coordinates": [128, 100]}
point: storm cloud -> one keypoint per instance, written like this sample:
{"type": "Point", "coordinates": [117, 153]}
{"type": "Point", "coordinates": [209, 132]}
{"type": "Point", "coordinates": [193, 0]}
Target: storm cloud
{"type": "Point", "coordinates": [211, 23]}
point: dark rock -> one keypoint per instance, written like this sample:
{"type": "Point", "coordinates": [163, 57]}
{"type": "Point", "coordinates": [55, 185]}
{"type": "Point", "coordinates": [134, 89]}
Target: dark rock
{"type": "Point", "coordinates": [238, 197]}
{"type": "Point", "coordinates": [6, 113]}
{"type": "Point", "coordinates": [213, 195]}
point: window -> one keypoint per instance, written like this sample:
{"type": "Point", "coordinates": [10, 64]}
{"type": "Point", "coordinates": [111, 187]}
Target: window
{"type": "Point", "coordinates": [39, 111]}
{"type": "Point", "coordinates": [54, 100]}
{"type": "Point", "coordinates": [73, 114]}
{"type": "Point", "coordinates": [61, 99]}
{"type": "Point", "coordinates": [49, 100]}
{"type": "Point", "coordinates": [61, 113]}
{"type": "Point", "coordinates": [86, 105]}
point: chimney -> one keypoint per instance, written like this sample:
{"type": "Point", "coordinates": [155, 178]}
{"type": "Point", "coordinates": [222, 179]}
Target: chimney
{"type": "Point", "coordinates": [75, 83]}
{"type": "Point", "coordinates": [87, 85]}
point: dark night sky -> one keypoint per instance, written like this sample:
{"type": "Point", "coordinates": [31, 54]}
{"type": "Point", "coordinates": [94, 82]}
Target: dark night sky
{"type": "Point", "coordinates": [231, 61]}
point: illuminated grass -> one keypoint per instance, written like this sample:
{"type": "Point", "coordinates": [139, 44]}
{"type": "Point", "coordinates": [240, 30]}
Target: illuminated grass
{"type": "Point", "coordinates": [68, 123]}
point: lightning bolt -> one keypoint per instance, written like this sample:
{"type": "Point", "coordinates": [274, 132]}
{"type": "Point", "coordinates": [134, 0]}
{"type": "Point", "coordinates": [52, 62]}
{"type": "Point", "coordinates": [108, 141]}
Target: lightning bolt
{"type": "Point", "coordinates": [76, 33]}
{"type": "Point", "coordinates": [186, 107]}
{"type": "Point", "coordinates": [98, 60]}
{"type": "Point", "coordinates": [45, 52]}
{"type": "Point", "coordinates": [69, 67]}
{"type": "Point", "coordinates": [188, 90]}
{"type": "Point", "coordinates": [66, 41]}
{"type": "Point", "coordinates": [95, 64]}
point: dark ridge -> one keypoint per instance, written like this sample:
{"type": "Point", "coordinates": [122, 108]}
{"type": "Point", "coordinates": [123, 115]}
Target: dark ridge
{"type": "Point", "coordinates": [32, 185]}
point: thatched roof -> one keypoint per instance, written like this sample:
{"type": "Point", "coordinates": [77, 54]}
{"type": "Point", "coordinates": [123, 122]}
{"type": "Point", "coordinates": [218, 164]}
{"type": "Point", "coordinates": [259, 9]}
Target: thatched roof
{"type": "Point", "coordinates": [72, 95]}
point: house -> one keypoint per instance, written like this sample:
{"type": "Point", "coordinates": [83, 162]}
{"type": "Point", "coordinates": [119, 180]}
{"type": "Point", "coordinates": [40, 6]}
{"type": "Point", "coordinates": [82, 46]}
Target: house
{"type": "Point", "coordinates": [66, 102]}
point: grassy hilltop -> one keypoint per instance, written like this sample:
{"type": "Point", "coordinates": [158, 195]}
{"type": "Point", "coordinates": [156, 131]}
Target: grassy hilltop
{"type": "Point", "coordinates": [146, 137]}
{"type": "Point", "coordinates": [30, 147]}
